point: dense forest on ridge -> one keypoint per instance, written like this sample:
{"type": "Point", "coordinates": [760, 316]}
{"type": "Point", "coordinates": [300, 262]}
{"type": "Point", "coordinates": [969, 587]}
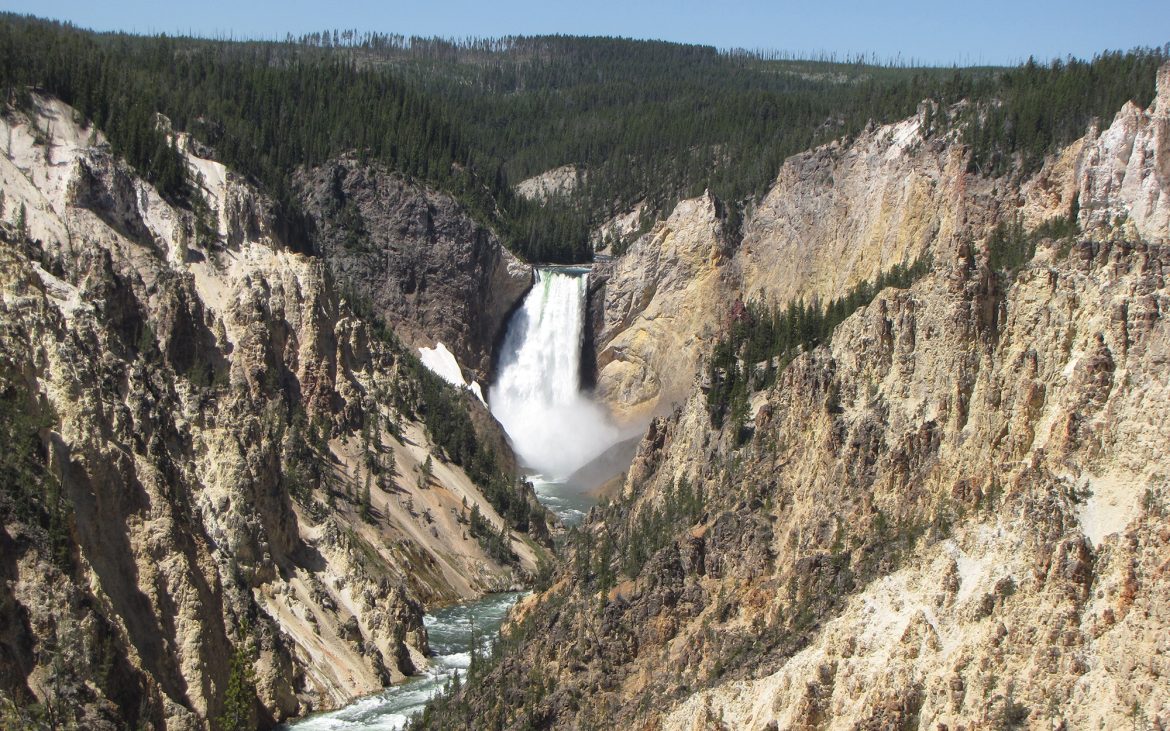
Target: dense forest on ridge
{"type": "Point", "coordinates": [646, 120]}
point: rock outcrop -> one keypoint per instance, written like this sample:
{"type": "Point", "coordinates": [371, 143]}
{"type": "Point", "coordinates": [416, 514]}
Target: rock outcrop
{"type": "Point", "coordinates": [846, 212]}
{"type": "Point", "coordinates": [1125, 172]}
{"type": "Point", "coordinates": [227, 485]}
{"type": "Point", "coordinates": [616, 234]}
{"type": "Point", "coordinates": [416, 257]}
{"type": "Point", "coordinates": [835, 216]}
{"type": "Point", "coordinates": [660, 306]}
{"type": "Point", "coordinates": [993, 560]}
{"type": "Point", "coordinates": [554, 183]}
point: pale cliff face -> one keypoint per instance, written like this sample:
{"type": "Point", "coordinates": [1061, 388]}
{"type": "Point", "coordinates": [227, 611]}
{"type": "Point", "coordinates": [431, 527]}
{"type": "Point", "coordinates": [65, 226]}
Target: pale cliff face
{"type": "Point", "coordinates": [560, 181]}
{"type": "Point", "coordinates": [191, 380]}
{"type": "Point", "coordinates": [835, 216]}
{"type": "Point", "coordinates": [662, 306]}
{"type": "Point", "coordinates": [1042, 603]}
{"type": "Point", "coordinates": [844, 213]}
{"type": "Point", "coordinates": [1124, 177]}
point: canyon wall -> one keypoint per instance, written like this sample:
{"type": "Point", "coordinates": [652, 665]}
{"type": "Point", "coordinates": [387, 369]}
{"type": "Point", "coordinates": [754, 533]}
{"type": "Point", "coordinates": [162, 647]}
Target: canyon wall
{"type": "Point", "coordinates": [842, 214]}
{"type": "Point", "coordinates": [225, 498]}
{"type": "Point", "coordinates": [415, 257]}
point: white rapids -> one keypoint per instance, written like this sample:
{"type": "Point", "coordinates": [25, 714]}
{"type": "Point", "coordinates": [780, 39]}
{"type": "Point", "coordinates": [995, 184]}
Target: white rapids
{"type": "Point", "coordinates": [451, 631]}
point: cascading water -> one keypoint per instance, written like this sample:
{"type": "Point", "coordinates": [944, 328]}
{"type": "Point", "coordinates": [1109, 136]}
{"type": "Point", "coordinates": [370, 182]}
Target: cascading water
{"type": "Point", "coordinates": [555, 429]}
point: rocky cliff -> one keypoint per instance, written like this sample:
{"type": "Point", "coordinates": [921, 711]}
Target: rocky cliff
{"type": "Point", "coordinates": [1124, 174]}
{"type": "Point", "coordinates": [844, 213]}
{"type": "Point", "coordinates": [416, 257]}
{"type": "Point", "coordinates": [835, 216]}
{"type": "Point", "coordinates": [225, 500]}
{"type": "Point", "coordinates": [954, 515]}
{"type": "Point", "coordinates": [554, 183]}
{"type": "Point", "coordinates": [848, 211]}
{"type": "Point", "coordinates": [657, 310]}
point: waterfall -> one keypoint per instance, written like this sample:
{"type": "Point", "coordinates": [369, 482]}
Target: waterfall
{"type": "Point", "coordinates": [555, 428]}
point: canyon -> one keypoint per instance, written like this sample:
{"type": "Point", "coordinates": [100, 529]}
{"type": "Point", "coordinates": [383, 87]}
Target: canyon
{"type": "Point", "coordinates": [244, 459]}
{"type": "Point", "coordinates": [953, 513]}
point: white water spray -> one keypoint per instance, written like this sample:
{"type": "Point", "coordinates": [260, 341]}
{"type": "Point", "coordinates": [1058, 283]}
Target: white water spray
{"type": "Point", "coordinates": [555, 429]}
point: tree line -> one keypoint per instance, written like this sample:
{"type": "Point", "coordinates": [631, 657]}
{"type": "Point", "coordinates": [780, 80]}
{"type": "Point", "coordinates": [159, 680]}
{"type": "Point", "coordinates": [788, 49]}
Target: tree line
{"type": "Point", "coordinates": [266, 109]}
{"type": "Point", "coordinates": [647, 120]}
{"type": "Point", "coordinates": [658, 121]}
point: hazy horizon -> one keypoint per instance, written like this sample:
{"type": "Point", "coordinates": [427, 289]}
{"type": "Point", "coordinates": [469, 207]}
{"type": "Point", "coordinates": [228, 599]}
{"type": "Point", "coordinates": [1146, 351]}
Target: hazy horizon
{"type": "Point", "coordinates": [914, 33]}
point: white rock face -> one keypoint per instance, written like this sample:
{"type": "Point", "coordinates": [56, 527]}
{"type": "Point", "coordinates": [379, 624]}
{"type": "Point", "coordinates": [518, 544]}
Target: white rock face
{"type": "Point", "coordinates": [1125, 173]}
{"type": "Point", "coordinates": [835, 216]}
{"type": "Point", "coordinates": [551, 183]}
{"type": "Point", "coordinates": [620, 227]}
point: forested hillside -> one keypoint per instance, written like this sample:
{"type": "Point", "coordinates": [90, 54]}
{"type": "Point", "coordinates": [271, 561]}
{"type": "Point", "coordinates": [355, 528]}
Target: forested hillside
{"type": "Point", "coordinates": [646, 120]}
{"type": "Point", "coordinates": [664, 121]}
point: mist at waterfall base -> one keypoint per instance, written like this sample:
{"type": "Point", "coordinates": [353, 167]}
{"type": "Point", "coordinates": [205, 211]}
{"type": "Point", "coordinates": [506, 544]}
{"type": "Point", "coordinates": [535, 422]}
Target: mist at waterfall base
{"type": "Point", "coordinates": [555, 428]}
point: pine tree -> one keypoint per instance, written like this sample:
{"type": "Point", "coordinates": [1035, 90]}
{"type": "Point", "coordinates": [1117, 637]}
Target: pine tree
{"type": "Point", "coordinates": [426, 473]}
{"type": "Point", "coordinates": [239, 700]}
{"type": "Point", "coordinates": [365, 499]}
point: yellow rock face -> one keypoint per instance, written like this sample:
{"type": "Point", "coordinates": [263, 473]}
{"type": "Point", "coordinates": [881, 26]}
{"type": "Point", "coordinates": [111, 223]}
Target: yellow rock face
{"type": "Point", "coordinates": [664, 301]}
{"type": "Point", "coordinates": [845, 213]}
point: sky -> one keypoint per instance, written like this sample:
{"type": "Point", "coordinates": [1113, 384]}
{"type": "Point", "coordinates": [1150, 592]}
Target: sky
{"type": "Point", "coordinates": [935, 32]}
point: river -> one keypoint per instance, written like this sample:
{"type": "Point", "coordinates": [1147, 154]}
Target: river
{"type": "Point", "coordinates": [449, 631]}
{"type": "Point", "coordinates": [557, 431]}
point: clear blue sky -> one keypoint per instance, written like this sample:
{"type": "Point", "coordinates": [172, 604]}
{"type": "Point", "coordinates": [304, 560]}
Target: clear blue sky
{"type": "Point", "coordinates": [991, 31]}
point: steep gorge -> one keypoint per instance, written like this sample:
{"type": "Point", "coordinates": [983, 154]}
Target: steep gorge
{"type": "Point", "coordinates": [255, 508]}
{"type": "Point", "coordinates": [953, 515]}
{"type": "Point", "coordinates": [235, 488]}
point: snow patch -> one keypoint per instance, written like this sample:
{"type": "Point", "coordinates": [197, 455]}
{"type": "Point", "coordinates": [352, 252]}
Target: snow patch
{"type": "Point", "coordinates": [442, 363]}
{"type": "Point", "coordinates": [478, 392]}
